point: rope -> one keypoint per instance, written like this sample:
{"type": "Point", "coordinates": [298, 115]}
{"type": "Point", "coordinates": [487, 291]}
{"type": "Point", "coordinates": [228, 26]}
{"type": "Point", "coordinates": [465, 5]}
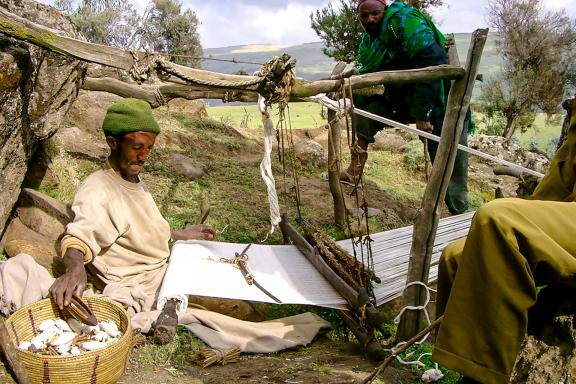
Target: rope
{"type": "Point", "coordinates": [322, 99]}
{"type": "Point", "coordinates": [172, 69]}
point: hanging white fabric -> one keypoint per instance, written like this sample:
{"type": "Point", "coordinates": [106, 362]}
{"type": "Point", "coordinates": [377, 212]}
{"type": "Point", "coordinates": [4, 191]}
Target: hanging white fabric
{"type": "Point", "coordinates": [266, 166]}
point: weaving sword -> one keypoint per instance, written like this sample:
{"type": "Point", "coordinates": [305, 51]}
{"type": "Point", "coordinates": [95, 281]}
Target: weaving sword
{"type": "Point", "coordinates": [241, 261]}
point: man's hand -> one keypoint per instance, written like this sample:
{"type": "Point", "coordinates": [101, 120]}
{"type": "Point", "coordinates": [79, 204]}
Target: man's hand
{"type": "Point", "coordinates": [195, 232]}
{"type": "Point", "coordinates": [73, 281]}
{"type": "Point", "coordinates": [424, 125]}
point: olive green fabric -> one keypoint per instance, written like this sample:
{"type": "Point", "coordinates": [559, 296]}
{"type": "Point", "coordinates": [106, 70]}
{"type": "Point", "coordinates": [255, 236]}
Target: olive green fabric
{"type": "Point", "coordinates": [129, 115]}
{"type": "Point", "coordinates": [487, 281]}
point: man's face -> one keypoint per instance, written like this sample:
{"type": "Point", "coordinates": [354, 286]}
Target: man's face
{"type": "Point", "coordinates": [371, 13]}
{"type": "Point", "coordinates": [130, 153]}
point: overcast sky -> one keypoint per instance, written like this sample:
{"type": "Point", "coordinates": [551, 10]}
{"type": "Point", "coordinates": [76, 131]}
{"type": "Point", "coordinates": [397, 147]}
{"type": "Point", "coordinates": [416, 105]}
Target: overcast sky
{"type": "Point", "coordinates": [287, 22]}
{"type": "Point", "coordinates": [239, 22]}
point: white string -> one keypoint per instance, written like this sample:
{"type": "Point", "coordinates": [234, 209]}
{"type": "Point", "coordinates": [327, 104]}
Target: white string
{"type": "Point", "coordinates": [422, 307]}
{"type": "Point", "coordinates": [334, 105]}
{"type": "Point", "coordinates": [266, 166]}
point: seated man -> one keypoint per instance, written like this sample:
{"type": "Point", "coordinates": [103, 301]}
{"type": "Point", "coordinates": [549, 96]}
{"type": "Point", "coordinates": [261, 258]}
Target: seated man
{"type": "Point", "coordinates": [118, 231]}
{"type": "Point", "coordinates": [488, 281]}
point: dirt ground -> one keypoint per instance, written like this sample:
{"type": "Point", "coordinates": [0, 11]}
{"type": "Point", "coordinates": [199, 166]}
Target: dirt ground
{"type": "Point", "coordinates": [323, 362]}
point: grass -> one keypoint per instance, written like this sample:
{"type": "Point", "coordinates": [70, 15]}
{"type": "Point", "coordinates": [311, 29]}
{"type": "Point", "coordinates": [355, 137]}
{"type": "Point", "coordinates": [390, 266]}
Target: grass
{"type": "Point", "coordinates": [174, 354]}
{"type": "Point", "coordinates": [423, 354]}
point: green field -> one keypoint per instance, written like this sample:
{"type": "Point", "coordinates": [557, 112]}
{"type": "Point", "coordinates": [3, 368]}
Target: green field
{"type": "Point", "coordinates": [302, 115]}
{"type": "Point", "coordinates": [308, 116]}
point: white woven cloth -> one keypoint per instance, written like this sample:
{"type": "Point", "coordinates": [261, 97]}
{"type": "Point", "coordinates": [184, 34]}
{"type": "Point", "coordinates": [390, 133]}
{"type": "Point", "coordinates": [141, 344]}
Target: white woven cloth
{"type": "Point", "coordinates": [195, 268]}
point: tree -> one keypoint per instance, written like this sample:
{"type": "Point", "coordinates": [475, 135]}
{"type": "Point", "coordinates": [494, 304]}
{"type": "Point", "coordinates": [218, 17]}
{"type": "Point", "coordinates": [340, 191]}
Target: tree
{"type": "Point", "coordinates": [163, 28]}
{"type": "Point", "coordinates": [108, 22]}
{"type": "Point", "coordinates": [537, 48]}
{"type": "Point", "coordinates": [168, 30]}
{"type": "Point", "coordinates": [341, 30]}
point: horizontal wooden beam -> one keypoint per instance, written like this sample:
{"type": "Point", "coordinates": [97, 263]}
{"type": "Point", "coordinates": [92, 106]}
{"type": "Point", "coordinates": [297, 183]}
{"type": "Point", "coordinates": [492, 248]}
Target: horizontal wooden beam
{"type": "Point", "coordinates": [20, 28]}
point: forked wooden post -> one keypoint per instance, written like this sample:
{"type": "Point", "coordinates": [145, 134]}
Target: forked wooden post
{"type": "Point", "coordinates": [427, 221]}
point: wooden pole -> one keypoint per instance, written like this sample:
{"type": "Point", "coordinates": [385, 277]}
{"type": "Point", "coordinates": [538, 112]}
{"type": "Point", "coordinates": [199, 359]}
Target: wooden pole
{"type": "Point", "coordinates": [334, 157]}
{"type": "Point", "coordinates": [11, 355]}
{"type": "Point", "coordinates": [426, 222]}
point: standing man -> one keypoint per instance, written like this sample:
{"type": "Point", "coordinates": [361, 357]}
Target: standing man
{"type": "Point", "coordinates": [399, 37]}
{"type": "Point", "coordinates": [118, 231]}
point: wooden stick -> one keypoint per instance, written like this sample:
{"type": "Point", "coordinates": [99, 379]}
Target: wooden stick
{"type": "Point", "coordinates": [426, 222]}
{"type": "Point", "coordinates": [401, 349]}
{"type": "Point", "coordinates": [12, 356]}
{"type": "Point", "coordinates": [335, 126]}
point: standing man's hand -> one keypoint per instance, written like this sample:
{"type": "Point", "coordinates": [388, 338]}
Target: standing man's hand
{"type": "Point", "coordinates": [195, 232]}
{"type": "Point", "coordinates": [73, 281]}
{"type": "Point", "coordinates": [424, 125]}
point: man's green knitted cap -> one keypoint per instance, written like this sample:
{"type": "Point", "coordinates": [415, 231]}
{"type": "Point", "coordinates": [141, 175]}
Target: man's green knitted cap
{"type": "Point", "coordinates": [129, 115]}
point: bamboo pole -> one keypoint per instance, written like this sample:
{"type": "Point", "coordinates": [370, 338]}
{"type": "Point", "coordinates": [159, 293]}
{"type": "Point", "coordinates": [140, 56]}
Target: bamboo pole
{"type": "Point", "coordinates": [426, 222]}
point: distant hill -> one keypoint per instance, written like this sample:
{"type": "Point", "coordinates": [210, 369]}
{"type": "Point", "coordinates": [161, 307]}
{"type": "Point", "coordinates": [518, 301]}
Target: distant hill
{"type": "Point", "coordinates": [312, 64]}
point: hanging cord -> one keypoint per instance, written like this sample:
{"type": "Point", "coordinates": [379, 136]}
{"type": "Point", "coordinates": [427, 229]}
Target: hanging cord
{"type": "Point", "coordinates": [292, 159]}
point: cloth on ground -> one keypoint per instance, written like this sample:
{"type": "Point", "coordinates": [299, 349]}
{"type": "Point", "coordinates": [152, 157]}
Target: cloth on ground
{"type": "Point", "coordinates": [220, 331]}
{"type": "Point", "coordinates": [23, 282]}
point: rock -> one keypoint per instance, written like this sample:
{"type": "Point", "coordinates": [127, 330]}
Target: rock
{"type": "Point", "coordinates": [37, 89]}
{"type": "Point", "coordinates": [548, 353]}
{"type": "Point", "coordinates": [392, 142]}
{"type": "Point", "coordinates": [88, 111]}
{"type": "Point", "coordinates": [309, 152]}
{"type": "Point", "coordinates": [192, 108]}
{"type": "Point", "coordinates": [21, 239]}
{"type": "Point", "coordinates": [184, 166]}
{"type": "Point", "coordinates": [43, 214]}
{"type": "Point", "coordinates": [498, 146]}
{"type": "Point", "coordinates": [78, 144]}
{"type": "Point", "coordinates": [548, 361]}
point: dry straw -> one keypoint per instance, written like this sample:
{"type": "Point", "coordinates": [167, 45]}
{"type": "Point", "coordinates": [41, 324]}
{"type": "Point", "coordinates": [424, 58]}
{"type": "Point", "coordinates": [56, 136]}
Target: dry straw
{"type": "Point", "coordinates": [101, 366]}
{"type": "Point", "coordinates": [209, 356]}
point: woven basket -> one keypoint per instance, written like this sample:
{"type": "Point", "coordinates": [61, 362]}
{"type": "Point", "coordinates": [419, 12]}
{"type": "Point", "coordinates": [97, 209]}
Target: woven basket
{"type": "Point", "coordinates": [101, 366]}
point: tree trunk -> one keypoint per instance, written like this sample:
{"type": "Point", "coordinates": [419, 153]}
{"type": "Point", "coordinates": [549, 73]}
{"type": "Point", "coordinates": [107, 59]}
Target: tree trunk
{"type": "Point", "coordinates": [510, 127]}
{"type": "Point", "coordinates": [567, 105]}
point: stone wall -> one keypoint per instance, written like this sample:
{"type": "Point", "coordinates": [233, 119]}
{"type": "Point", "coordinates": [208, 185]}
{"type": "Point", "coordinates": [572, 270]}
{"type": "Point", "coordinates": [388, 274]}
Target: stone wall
{"type": "Point", "coordinates": [36, 90]}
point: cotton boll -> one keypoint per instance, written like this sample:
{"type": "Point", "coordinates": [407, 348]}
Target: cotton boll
{"type": "Point", "coordinates": [63, 325]}
{"type": "Point", "coordinates": [110, 328]}
{"type": "Point", "coordinates": [101, 336]}
{"type": "Point", "coordinates": [63, 349]}
{"type": "Point", "coordinates": [64, 338]}
{"type": "Point", "coordinates": [432, 375]}
{"type": "Point", "coordinates": [25, 345]}
{"type": "Point", "coordinates": [89, 330]}
{"type": "Point", "coordinates": [46, 324]}
{"type": "Point", "coordinates": [92, 345]}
